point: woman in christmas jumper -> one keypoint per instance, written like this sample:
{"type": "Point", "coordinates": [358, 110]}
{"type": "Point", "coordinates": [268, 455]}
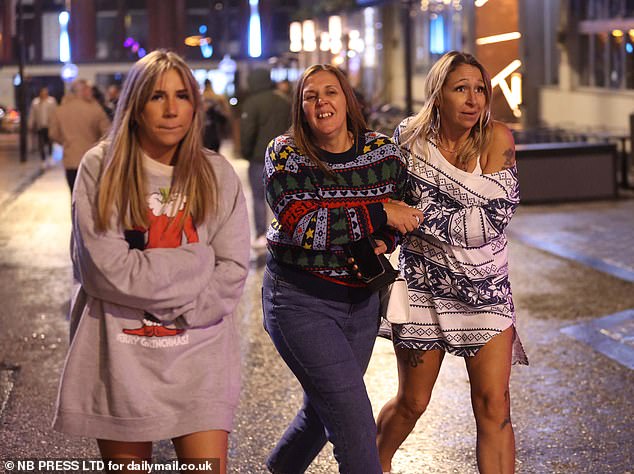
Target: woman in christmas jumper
{"type": "Point", "coordinates": [329, 183]}
{"type": "Point", "coordinates": [161, 252]}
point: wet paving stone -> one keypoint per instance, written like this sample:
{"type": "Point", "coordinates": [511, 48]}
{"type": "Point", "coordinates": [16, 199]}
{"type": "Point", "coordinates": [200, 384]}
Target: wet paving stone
{"type": "Point", "coordinates": [611, 335]}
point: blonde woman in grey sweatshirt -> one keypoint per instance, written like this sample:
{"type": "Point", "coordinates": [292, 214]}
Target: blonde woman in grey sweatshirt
{"type": "Point", "coordinates": [160, 244]}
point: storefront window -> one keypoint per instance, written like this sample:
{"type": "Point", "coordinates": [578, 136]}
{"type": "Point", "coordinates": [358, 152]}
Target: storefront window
{"type": "Point", "coordinates": [136, 27]}
{"type": "Point", "coordinates": [609, 62]}
{"type": "Point", "coordinates": [585, 62]}
{"type": "Point", "coordinates": [629, 62]}
{"type": "Point", "coordinates": [616, 60]}
{"type": "Point", "coordinates": [437, 31]}
{"type": "Point", "coordinates": [599, 60]}
{"type": "Point", "coordinates": [106, 36]}
{"type": "Point", "coordinates": [603, 9]}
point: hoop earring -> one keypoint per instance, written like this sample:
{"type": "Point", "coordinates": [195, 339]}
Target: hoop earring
{"type": "Point", "coordinates": [434, 126]}
{"type": "Point", "coordinates": [487, 118]}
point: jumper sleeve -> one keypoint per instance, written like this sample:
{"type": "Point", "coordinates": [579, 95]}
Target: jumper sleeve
{"type": "Point", "coordinates": [475, 225]}
{"type": "Point", "coordinates": [164, 282]}
{"type": "Point", "coordinates": [318, 215]}
{"type": "Point", "coordinates": [231, 244]}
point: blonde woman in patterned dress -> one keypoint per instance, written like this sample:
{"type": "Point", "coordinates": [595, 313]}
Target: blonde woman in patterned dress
{"type": "Point", "coordinates": [463, 177]}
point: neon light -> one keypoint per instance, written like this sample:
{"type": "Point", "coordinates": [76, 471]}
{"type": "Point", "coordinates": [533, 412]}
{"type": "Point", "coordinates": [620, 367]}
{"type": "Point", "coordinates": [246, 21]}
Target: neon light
{"type": "Point", "coordinates": [255, 31]}
{"type": "Point", "coordinates": [437, 35]}
{"type": "Point", "coordinates": [499, 38]}
{"type": "Point", "coordinates": [504, 73]}
{"type": "Point", "coordinates": [207, 50]}
{"type": "Point", "coordinates": [516, 87]}
{"type": "Point", "coordinates": [134, 46]}
{"type": "Point", "coordinates": [64, 41]}
{"type": "Point", "coordinates": [200, 40]}
{"type": "Point", "coordinates": [514, 97]}
{"type": "Point", "coordinates": [507, 94]}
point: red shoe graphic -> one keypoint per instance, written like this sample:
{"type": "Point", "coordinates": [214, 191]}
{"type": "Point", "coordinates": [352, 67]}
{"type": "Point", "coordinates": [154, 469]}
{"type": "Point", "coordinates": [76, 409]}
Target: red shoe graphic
{"type": "Point", "coordinates": [162, 331]}
{"type": "Point", "coordinates": [153, 331]}
{"type": "Point", "coordinates": [144, 331]}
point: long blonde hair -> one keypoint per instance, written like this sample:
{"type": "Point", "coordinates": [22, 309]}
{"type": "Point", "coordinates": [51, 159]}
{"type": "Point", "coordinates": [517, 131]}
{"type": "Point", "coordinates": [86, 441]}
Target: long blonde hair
{"type": "Point", "coordinates": [426, 123]}
{"type": "Point", "coordinates": [300, 130]}
{"type": "Point", "coordinates": [122, 184]}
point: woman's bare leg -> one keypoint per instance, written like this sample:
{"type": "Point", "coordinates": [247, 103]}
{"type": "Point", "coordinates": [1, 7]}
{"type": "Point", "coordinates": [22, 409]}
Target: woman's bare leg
{"type": "Point", "coordinates": [124, 452]}
{"type": "Point", "coordinates": [203, 446]}
{"type": "Point", "coordinates": [417, 374]}
{"type": "Point", "coordinates": [489, 372]}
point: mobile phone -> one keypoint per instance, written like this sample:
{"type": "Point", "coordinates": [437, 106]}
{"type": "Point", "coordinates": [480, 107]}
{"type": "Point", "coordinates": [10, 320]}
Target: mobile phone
{"type": "Point", "coordinates": [368, 262]}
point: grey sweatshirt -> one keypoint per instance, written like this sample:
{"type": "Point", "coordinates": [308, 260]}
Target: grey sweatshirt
{"type": "Point", "coordinates": [154, 350]}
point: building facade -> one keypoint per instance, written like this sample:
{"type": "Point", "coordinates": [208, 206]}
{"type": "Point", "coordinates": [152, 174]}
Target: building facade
{"type": "Point", "coordinates": [106, 36]}
{"type": "Point", "coordinates": [557, 63]}
{"type": "Point", "coordinates": [594, 89]}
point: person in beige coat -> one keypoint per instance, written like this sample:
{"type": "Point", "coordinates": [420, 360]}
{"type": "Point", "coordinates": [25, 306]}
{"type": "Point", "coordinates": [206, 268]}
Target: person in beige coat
{"type": "Point", "coordinates": [42, 107]}
{"type": "Point", "coordinates": [77, 124]}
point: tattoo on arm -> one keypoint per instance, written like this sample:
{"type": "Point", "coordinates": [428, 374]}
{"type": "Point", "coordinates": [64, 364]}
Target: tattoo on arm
{"type": "Point", "coordinates": [509, 158]}
{"type": "Point", "coordinates": [415, 358]}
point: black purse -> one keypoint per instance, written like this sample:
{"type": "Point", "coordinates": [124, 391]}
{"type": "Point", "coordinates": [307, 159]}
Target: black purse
{"type": "Point", "coordinates": [376, 270]}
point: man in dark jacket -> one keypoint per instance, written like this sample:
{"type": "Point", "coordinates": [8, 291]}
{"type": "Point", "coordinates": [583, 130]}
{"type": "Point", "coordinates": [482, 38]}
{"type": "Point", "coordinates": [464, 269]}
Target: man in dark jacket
{"type": "Point", "coordinates": [265, 115]}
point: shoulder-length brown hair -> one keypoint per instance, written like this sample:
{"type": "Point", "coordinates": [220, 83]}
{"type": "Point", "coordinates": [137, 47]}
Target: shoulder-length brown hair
{"type": "Point", "coordinates": [300, 130]}
{"type": "Point", "coordinates": [425, 124]}
{"type": "Point", "coordinates": [122, 185]}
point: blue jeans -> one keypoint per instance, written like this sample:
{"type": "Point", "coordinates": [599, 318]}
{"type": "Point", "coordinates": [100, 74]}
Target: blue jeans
{"type": "Point", "coordinates": [327, 344]}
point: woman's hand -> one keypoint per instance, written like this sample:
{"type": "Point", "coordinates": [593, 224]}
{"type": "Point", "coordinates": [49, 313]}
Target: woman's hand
{"type": "Point", "coordinates": [402, 217]}
{"type": "Point", "coordinates": [380, 248]}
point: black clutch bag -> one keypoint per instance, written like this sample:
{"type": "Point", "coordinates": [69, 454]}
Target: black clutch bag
{"type": "Point", "coordinates": [376, 270]}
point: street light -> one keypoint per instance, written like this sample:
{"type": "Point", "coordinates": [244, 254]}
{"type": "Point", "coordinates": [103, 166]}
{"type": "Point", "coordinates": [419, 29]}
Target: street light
{"type": "Point", "coordinates": [22, 86]}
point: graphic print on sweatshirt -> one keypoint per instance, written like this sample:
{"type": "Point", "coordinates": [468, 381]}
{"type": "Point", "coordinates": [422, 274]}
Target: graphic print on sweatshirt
{"type": "Point", "coordinates": [164, 212]}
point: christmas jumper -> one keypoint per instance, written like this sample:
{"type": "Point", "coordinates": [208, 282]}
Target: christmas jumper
{"type": "Point", "coordinates": [154, 346]}
{"type": "Point", "coordinates": [316, 214]}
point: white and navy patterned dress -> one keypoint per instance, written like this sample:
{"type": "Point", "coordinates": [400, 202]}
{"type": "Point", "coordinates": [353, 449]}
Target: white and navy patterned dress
{"type": "Point", "coordinates": [456, 263]}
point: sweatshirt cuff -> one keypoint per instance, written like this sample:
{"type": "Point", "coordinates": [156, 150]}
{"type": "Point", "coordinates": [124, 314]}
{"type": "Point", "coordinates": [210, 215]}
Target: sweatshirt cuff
{"type": "Point", "coordinates": [378, 217]}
